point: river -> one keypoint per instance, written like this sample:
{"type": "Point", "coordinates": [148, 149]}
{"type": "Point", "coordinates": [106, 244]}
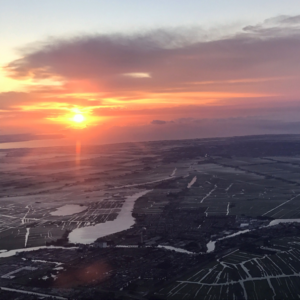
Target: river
{"type": "Point", "coordinates": [211, 245]}
{"type": "Point", "coordinates": [124, 220]}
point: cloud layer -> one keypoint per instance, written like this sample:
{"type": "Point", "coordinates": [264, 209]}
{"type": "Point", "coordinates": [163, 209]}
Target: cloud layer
{"type": "Point", "coordinates": [150, 77]}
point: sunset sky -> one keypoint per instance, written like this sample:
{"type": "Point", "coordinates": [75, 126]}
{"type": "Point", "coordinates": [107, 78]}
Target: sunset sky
{"type": "Point", "coordinates": [131, 70]}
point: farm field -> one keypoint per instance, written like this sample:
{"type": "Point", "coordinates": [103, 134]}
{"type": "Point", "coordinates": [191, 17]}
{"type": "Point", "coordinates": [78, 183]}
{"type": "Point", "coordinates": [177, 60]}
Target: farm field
{"type": "Point", "coordinates": [208, 219]}
{"type": "Point", "coordinates": [244, 275]}
{"type": "Point", "coordinates": [37, 182]}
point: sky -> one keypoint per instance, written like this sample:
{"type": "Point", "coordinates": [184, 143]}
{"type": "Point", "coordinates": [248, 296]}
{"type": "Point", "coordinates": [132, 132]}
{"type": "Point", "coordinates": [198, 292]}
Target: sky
{"type": "Point", "coordinates": [128, 70]}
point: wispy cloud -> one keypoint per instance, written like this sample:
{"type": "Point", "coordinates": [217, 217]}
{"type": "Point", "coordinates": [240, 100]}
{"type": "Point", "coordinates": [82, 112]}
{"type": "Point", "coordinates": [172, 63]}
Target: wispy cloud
{"type": "Point", "coordinates": [137, 75]}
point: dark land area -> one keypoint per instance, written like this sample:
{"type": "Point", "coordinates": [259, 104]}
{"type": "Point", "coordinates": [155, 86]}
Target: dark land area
{"type": "Point", "coordinates": [216, 219]}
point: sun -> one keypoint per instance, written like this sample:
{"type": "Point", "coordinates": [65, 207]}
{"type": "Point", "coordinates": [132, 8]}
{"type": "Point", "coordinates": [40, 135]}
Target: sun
{"type": "Point", "coordinates": [78, 118]}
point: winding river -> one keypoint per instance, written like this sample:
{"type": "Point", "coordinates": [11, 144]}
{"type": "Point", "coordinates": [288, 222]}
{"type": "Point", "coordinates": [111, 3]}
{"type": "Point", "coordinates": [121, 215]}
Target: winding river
{"type": "Point", "coordinates": [124, 220]}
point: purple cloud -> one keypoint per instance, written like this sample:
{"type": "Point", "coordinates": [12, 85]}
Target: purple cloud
{"type": "Point", "coordinates": [158, 122]}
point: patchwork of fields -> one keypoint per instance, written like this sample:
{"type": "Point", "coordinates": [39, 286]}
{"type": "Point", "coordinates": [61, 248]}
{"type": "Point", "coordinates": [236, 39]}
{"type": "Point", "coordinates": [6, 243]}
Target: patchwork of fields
{"type": "Point", "coordinates": [243, 275]}
{"type": "Point", "coordinates": [36, 183]}
{"type": "Point", "coordinates": [193, 194]}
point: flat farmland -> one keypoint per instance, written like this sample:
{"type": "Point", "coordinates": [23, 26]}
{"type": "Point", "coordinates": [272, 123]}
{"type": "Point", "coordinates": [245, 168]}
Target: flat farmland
{"type": "Point", "coordinates": [35, 183]}
{"type": "Point", "coordinates": [193, 219]}
{"type": "Point", "coordinates": [100, 182]}
{"type": "Point", "coordinates": [225, 190]}
{"type": "Point", "coordinates": [242, 275]}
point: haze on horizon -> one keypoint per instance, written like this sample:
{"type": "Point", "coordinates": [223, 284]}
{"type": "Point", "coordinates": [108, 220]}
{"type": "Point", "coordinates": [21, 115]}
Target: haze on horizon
{"type": "Point", "coordinates": [136, 71]}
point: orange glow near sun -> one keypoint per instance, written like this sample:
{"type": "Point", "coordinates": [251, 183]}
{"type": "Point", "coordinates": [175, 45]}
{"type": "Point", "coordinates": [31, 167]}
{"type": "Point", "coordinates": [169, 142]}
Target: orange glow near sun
{"type": "Point", "coordinates": [76, 118]}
